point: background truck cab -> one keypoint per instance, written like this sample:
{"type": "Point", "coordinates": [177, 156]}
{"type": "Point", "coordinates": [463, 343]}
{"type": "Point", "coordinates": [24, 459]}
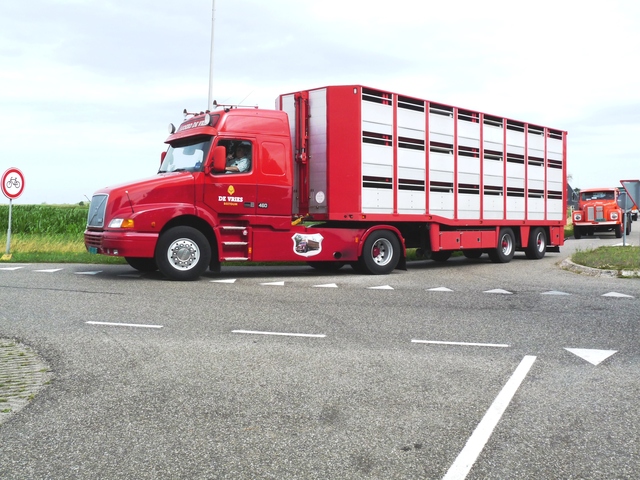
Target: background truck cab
{"type": "Point", "coordinates": [598, 211]}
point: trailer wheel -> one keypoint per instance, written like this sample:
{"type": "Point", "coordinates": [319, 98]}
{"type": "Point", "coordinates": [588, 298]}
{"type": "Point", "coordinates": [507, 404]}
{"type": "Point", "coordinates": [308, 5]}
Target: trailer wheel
{"type": "Point", "coordinates": [505, 250]}
{"type": "Point", "coordinates": [537, 246]}
{"type": "Point", "coordinates": [381, 253]}
{"type": "Point", "coordinates": [183, 253]}
{"type": "Point", "coordinates": [142, 264]}
{"type": "Point", "coordinates": [577, 232]}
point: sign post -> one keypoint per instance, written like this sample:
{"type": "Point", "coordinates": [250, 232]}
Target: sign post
{"type": "Point", "coordinates": [632, 187]}
{"type": "Point", "coordinates": [12, 187]}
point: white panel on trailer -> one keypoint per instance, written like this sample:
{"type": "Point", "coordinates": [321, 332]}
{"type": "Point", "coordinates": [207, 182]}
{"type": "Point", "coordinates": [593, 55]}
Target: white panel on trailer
{"type": "Point", "coordinates": [441, 204]}
{"type": "Point", "coordinates": [515, 208]}
{"type": "Point", "coordinates": [468, 206]}
{"type": "Point", "coordinates": [318, 150]}
{"type": "Point", "coordinates": [377, 200]}
{"type": "Point", "coordinates": [535, 208]}
{"type": "Point", "coordinates": [493, 206]}
{"type": "Point", "coordinates": [411, 202]}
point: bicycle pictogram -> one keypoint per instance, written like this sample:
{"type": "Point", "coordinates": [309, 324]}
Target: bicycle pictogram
{"type": "Point", "coordinates": [13, 182]}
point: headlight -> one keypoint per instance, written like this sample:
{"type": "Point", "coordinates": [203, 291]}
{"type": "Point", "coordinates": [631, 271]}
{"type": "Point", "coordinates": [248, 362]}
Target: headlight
{"type": "Point", "coordinates": [121, 223]}
{"type": "Point", "coordinates": [577, 217]}
{"type": "Point", "coordinates": [614, 215]}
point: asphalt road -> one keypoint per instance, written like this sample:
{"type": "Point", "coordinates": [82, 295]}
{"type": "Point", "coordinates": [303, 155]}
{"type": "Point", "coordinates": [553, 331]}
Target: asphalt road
{"type": "Point", "coordinates": [455, 370]}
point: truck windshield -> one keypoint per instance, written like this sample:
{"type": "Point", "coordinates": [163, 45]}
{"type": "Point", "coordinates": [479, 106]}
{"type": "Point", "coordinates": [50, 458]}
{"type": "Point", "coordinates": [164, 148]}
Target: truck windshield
{"type": "Point", "coordinates": [187, 155]}
{"type": "Point", "coordinates": [604, 195]}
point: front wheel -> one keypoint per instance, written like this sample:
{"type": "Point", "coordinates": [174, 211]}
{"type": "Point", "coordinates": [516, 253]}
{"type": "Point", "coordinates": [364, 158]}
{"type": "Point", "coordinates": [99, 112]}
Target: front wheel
{"type": "Point", "coordinates": [537, 245]}
{"type": "Point", "coordinates": [504, 251]}
{"type": "Point", "coordinates": [618, 231]}
{"type": "Point", "coordinates": [380, 253]}
{"type": "Point", "coordinates": [577, 232]}
{"type": "Point", "coordinates": [183, 253]}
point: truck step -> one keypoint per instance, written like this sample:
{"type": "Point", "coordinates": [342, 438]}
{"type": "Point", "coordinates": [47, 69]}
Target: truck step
{"type": "Point", "coordinates": [235, 243]}
{"type": "Point", "coordinates": [235, 259]}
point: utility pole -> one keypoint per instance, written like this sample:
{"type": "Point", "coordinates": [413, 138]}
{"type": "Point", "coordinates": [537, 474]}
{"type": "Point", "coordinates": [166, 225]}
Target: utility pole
{"type": "Point", "coordinates": [213, 18]}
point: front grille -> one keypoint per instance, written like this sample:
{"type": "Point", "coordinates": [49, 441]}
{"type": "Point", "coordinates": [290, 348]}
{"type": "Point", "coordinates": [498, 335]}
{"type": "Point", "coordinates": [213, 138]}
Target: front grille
{"type": "Point", "coordinates": [96, 211]}
{"type": "Point", "coordinates": [93, 240]}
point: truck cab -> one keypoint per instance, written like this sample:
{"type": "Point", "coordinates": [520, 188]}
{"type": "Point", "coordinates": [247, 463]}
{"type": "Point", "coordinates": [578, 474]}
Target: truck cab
{"type": "Point", "coordinates": [598, 211]}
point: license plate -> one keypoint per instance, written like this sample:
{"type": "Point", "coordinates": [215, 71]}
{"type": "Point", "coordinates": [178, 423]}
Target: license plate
{"type": "Point", "coordinates": [93, 250]}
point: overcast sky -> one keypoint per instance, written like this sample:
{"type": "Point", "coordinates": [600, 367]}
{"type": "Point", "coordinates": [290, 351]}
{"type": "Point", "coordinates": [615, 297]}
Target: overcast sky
{"type": "Point", "coordinates": [88, 87]}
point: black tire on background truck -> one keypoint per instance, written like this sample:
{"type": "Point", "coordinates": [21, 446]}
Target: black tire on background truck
{"type": "Point", "coordinates": [577, 232]}
{"type": "Point", "coordinates": [537, 246]}
{"type": "Point", "coordinates": [142, 264]}
{"type": "Point", "coordinates": [506, 248]}
{"type": "Point", "coordinates": [380, 253]}
{"type": "Point", "coordinates": [183, 253]}
{"type": "Point", "coordinates": [618, 231]}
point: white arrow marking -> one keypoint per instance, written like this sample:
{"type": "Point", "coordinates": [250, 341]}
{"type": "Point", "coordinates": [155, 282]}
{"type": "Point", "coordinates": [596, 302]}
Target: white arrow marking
{"type": "Point", "coordinates": [280, 284]}
{"type": "Point", "coordinates": [555, 292]}
{"type": "Point", "coordinates": [229, 280]}
{"type": "Point", "coordinates": [50, 270]}
{"type": "Point", "coordinates": [11, 268]}
{"type": "Point", "coordinates": [616, 294]}
{"type": "Point", "coordinates": [382, 287]}
{"type": "Point", "coordinates": [498, 290]}
{"type": "Point", "coordinates": [594, 357]}
{"type": "Point", "coordinates": [327, 285]}
{"type": "Point", "coordinates": [440, 289]}
{"type": "Point", "coordinates": [89, 273]}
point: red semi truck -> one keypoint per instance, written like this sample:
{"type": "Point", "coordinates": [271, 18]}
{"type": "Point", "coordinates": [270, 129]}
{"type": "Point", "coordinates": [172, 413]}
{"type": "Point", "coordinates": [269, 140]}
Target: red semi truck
{"type": "Point", "coordinates": [339, 175]}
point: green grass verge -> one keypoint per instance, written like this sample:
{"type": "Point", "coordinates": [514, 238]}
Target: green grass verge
{"type": "Point", "coordinates": [609, 258]}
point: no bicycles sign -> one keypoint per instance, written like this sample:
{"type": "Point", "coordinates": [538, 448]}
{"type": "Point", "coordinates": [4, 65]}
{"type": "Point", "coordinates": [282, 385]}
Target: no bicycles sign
{"type": "Point", "coordinates": [12, 183]}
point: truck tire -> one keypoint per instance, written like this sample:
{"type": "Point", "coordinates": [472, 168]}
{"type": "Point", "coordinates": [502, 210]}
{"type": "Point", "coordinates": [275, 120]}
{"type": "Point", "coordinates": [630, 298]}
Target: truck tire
{"type": "Point", "coordinates": [183, 253]}
{"type": "Point", "coordinates": [629, 225]}
{"type": "Point", "coordinates": [537, 246]}
{"type": "Point", "coordinates": [441, 256]}
{"type": "Point", "coordinates": [577, 233]}
{"type": "Point", "coordinates": [618, 231]}
{"type": "Point", "coordinates": [473, 254]}
{"type": "Point", "coordinates": [504, 251]}
{"type": "Point", "coordinates": [142, 264]}
{"type": "Point", "coordinates": [380, 253]}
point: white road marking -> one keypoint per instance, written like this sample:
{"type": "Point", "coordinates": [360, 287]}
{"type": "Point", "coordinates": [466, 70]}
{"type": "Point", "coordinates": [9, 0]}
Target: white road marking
{"type": "Point", "coordinates": [124, 325]}
{"type": "Point", "coordinates": [499, 290]}
{"type": "Point", "coordinates": [327, 285]}
{"type": "Point", "coordinates": [89, 273]}
{"type": "Point", "coordinates": [440, 289]}
{"type": "Point", "coordinates": [478, 439]}
{"type": "Point", "coordinates": [49, 270]}
{"type": "Point", "coordinates": [230, 280]}
{"type": "Point", "coordinates": [616, 294]}
{"type": "Point", "coordinates": [253, 332]}
{"type": "Point", "coordinates": [278, 284]}
{"type": "Point", "coordinates": [11, 268]}
{"type": "Point", "coordinates": [554, 292]}
{"type": "Point", "coordinates": [592, 356]}
{"type": "Point", "coordinates": [466, 344]}
{"type": "Point", "coordinates": [382, 287]}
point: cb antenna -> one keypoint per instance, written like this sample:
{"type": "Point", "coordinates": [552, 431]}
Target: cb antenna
{"type": "Point", "coordinates": [213, 19]}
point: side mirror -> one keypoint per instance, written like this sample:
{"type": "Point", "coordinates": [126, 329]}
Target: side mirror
{"type": "Point", "coordinates": [162, 156]}
{"type": "Point", "coordinates": [219, 159]}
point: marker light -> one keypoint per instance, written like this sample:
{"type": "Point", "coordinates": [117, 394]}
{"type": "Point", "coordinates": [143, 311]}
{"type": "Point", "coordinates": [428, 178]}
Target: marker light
{"type": "Point", "coordinates": [172, 129]}
{"type": "Point", "coordinates": [207, 120]}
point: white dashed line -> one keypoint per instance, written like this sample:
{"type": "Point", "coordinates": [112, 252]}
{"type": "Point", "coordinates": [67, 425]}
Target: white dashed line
{"type": "Point", "coordinates": [499, 290]}
{"type": "Point", "coordinates": [440, 289]}
{"type": "Point", "coordinates": [465, 344]}
{"type": "Point", "coordinates": [229, 280]}
{"type": "Point", "coordinates": [327, 285]}
{"type": "Point", "coordinates": [124, 325]}
{"type": "Point", "coordinates": [276, 284]}
{"type": "Point", "coordinates": [254, 332]}
{"type": "Point", "coordinates": [617, 295]}
{"type": "Point", "coordinates": [382, 287]}
{"type": "Point", "coordinates": [469, 454]}
{"type": "Point", "coordinates": [49, 270]}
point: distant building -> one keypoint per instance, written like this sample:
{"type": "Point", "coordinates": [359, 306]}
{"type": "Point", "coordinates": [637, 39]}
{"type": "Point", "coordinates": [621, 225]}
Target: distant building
{"type": "Point", "coordinates": [572, 197]}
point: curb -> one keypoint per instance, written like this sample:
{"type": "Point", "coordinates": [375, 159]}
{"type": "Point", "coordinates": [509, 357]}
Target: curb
{"type": "Point", "coordinates": [567, 264]}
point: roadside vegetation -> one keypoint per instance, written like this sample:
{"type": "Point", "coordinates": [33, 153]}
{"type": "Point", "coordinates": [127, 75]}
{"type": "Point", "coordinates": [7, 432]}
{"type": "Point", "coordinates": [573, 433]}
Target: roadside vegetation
{"type": "Point", "coordinates": [54, 234]}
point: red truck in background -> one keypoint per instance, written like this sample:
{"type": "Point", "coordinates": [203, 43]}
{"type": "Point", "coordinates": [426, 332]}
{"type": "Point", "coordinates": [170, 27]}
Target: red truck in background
{"type": "Point", "coordinates": [339, 175]}
{"type": "Point", "coordinates": [598, 211]}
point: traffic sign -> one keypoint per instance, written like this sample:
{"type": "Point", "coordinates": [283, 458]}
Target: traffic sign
{"type": "Point", "coordinates": [622, 201]}
{"type": "Point", "coordinates": [633, 190]}
{"type": "Point", "coordinates": [12, 183]}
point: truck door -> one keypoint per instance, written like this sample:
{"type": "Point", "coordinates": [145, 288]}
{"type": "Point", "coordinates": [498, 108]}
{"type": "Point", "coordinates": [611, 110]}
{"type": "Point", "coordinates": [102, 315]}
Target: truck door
{"type": "Point", "coordinates": [234, 191]}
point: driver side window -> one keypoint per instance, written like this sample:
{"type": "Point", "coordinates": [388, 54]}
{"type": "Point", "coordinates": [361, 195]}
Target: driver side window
{"type": "Point", "coordinates": [239, 155]}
